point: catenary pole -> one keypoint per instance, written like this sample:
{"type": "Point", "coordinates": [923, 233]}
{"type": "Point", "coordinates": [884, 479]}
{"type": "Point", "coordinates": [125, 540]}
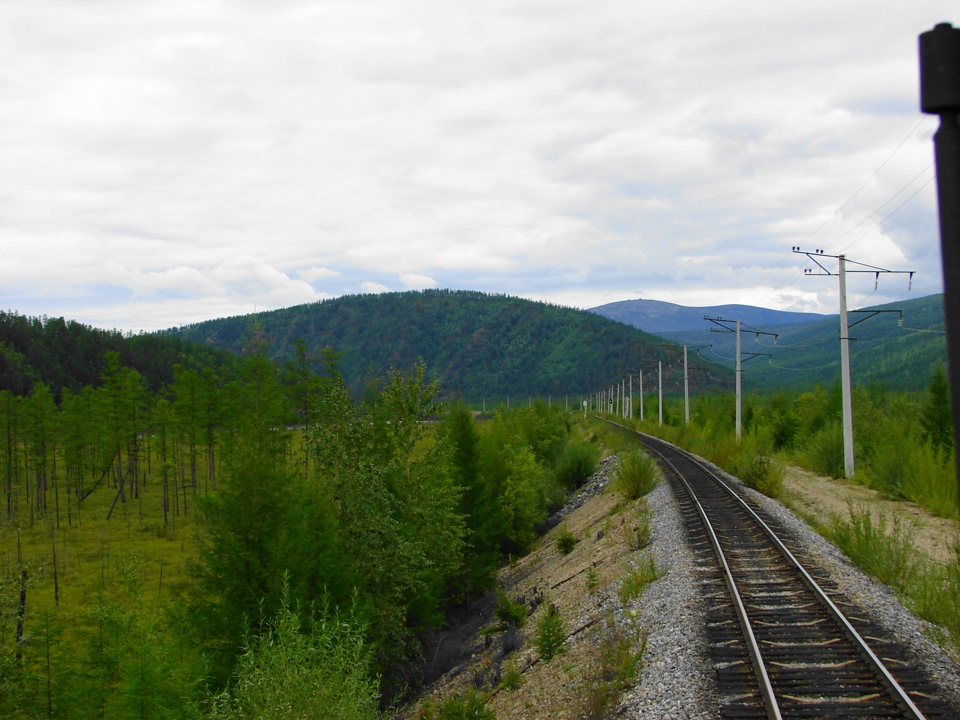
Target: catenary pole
{"type": "Point", "coordinates": [660, 389]}
{"type": "Point", "coordinates": [739, 375]}
{"type": "Point", "coordinates": [848, 467]}
{"type": "Point", "coordinates": [842, 271]}
{"type": "Point", "coordinates": [641, 395]}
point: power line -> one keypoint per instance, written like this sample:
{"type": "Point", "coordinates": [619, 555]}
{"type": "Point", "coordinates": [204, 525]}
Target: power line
{"type": "Point", "coordinates": [867, 181]}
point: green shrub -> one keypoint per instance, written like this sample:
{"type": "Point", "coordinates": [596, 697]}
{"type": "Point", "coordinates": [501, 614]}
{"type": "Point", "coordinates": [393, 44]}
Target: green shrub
{"type": "Point", "coordinates": [915, 471]}
{"type": "Point", "coordinates": [890, 557]}
{"type": "Point", "coordinates": [470, 705]}
{"type": "Point", "coordinates": [824, 452]}
{"type": "Point", "coordinates": [614, 664]}
{"type": "Point", "coordinates": [762, 473]}
{"type": "Point", "coordinates": [551, 633]}
{"type": "Point", "coordinates": [638, 527]}
{"type": "Point", "coordinates": [935, 595]}
{"type": "Point", "coordinates": [331, 659]}
{"type": "Point", "coordinates": [512, 677]}
{"type": "Point", "coordinates": [577, 462]}
{"type": "Point", "coordinates": [636, 474]}
{"type": "Point", "coordinates": [636, 580]}
{"type": "Point", "coordinates": [508, 611]}
{"type": "Point", "coordinates": [566, 540]}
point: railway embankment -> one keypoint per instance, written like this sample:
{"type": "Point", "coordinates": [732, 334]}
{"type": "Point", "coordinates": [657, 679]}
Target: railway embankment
{"type": "Point", "coordinates": [585, 567]}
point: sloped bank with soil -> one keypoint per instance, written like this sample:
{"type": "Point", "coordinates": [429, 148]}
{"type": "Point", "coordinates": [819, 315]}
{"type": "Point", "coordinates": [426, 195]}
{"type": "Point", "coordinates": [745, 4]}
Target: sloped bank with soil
{"type": "Point", "coordinates": [666, 622]}
{"type": "Point", "coordinates": [603, 631]}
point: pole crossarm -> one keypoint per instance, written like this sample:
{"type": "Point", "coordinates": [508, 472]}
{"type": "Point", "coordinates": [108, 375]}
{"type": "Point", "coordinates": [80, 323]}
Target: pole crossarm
{"type": "Point", "coordinates": [874, 313]}
{"type": "Point", "coordinates": [723, 327]}
{"type": "Point", "coordinates": [813, 255]}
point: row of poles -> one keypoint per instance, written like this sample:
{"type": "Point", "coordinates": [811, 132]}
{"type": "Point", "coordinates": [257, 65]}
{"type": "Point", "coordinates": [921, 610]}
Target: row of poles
{"type": "Point", "coordinates": [618, 399]}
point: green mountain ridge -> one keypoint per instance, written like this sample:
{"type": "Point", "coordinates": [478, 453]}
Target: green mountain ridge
{"type": "Point", "coordinates": [479, 346]}
{"type": "Point", "coordinates": [897, 347]}
{"type": "Point", "coordinates": [490, 347]}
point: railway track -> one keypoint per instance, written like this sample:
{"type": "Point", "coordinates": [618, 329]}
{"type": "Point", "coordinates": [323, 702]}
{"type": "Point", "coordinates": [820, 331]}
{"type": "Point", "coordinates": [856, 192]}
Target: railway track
{"type": "Point", "coordinates": [785, 643]}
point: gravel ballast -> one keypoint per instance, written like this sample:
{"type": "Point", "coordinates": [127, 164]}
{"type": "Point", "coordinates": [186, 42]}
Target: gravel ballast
{"type": "Point", "coordinates": [676, 679]}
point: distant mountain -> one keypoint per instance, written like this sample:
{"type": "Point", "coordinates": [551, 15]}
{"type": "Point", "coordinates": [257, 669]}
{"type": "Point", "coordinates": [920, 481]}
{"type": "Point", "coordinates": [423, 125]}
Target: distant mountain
{"type": "Point", "coordinates": [655, 316]}
{"type": "Point", "coordinates": [897, 347]}
{"type": "Point", "coordinates": [477, 345]}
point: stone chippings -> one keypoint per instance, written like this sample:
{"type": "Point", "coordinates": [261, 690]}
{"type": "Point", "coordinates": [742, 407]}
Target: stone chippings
{"type": "Point", "coordinates": [677, 676]}
{"type": "Point", "coordinates": [676, 679]}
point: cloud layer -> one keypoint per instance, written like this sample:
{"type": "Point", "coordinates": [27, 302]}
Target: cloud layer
{"type": "Point", "coordinates": [167, 162]}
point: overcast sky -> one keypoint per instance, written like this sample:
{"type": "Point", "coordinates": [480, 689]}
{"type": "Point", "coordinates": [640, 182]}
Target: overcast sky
{"type": "Point", "coordinates": [169, 161]}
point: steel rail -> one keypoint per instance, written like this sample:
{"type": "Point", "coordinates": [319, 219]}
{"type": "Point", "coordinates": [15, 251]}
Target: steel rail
{"type": "Point", "coordinates": [900, 695]}
{"type": "Point", "coordinates": [753, 646]}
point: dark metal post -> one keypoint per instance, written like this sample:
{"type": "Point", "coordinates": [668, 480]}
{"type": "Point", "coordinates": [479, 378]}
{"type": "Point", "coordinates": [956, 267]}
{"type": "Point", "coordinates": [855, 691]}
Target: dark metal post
{"type": "Point", "coordinates": [940, 95]}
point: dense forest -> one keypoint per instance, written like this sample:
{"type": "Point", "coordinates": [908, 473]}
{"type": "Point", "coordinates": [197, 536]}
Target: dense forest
{"type": "Point", "coordinates": [65, 354]}
{"type": "Point", "coordinates": [476, 345]}
{"type": "Point", "coordinates": [897, 345]}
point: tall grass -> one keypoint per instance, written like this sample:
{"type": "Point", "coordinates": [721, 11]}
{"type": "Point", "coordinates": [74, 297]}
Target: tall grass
{"type": "Point", "coordinates": [636, 474]}
{"type": "Point", "coordinates": [880, 548]}
{"type": "Point", "coordinates": [886, 551]}
{"type": "Point", "coordinates": [638, 578]}
{"type": "Point", "coordinates": [824, 451]}
{"type": "Point", "coordinates": [918, 472]}
{"type": "Point", "coordinates": [576, 463]}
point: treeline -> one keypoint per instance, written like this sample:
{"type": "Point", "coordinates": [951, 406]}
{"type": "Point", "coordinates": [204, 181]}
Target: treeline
{"type": "Point", "coordinates": [325, 546]}
{"type": "Point", "coordinates": [65, 354]}
{"type": "Point", "coordinates": [476, 345]}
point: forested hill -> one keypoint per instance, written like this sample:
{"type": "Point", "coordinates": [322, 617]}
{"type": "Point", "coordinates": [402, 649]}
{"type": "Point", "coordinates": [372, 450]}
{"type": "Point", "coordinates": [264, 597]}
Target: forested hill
{"type": "Point", "coordinates": [68, 354]}
{"type": "Point", "coordinates": [478, 346]}
{"type": "Point", "coordinates": [897, 347]}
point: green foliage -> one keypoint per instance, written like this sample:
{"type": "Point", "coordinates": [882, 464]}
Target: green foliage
{"type": "Point", "coordinates": [468, 705]}
{"type": "Point", "coordinates": [636, 474]}
{"type": "Point", "coordinates": [65, 354]}
{"type": "Point", "coordinates": [638, 526]}
{"type": "Point", "coordinates": [824, 451]}
{"type": "Point", "coordinates": [551, 633]}
{"type": "Point", "coordinates": [577, 463]}
{"type": "Point", "coordinates": [287, 673]}
{"type": "Point", "coordinates": [615, 662]}
{"type": "Point", "coordinates": [478, 506]}
{"type": "Point", "coordinates": [887, 553]}
{"type": "Point", "coordinates": [512, 677]}
{"type": "Point", "coordinates": [566, 540]}
{"type": "Point", "coordinates": [638, 577]}
{"type": "Point", "coordinates": [935, 415]}
{"type": "Point", "coordinates": [478, 345]}
{"type": "Point", "coordinates": [761, 472]}
{"type": "Point", "coordinates": [509, 611]}
{"type": "Point", "coordinates": [935, 594]}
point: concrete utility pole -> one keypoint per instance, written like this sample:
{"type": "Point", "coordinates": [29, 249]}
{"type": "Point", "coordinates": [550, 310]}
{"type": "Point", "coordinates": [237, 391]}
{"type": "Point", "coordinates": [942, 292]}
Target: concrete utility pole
{"type": "Point", "coordinates": [848, 459]}
{"type": "Point", "coordinates": [660, 389]}
{"type": "Point", "coordinates": [641, 396]}
{"type": "Point", "coordinates": [723, 326]}
{"type": "Point", "coordinates": [940, 95]}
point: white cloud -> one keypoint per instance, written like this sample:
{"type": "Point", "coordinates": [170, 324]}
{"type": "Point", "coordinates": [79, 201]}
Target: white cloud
{"type": "Point", "coordinates": [373, 287]}
{"type": "Point", "coordinates": [278, 154]}
{"type": "Point", "coordinates": [414, 281]}
{"type": "Point", "coordinates": [317, 273]}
